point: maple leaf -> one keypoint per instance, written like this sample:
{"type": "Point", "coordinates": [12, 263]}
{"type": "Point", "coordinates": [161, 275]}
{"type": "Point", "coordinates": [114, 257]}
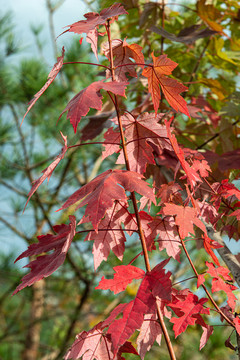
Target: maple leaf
{"type": "Point", "coordinates": [126, 348]}
{"type": "Point", "coordinates": [215, 272]}
{"type": "Point", "coordinates": [209, 245]}
{"type": "Point", "coordinates": [53, 73]}
{"type": "Point", "coordinates": [228, 189]}
{"type": "Point", "coordinates": [171, 88]}
{"type": "Point", "coordinates": [187, 312]}
{"type": "Point", "coordinates": [207, 332]}
{"type": "Point", "coordinates": [170, 193]}
{"type": "Point", "coordinates": [143, 135]}
{"type": "Point", "coordinates": [236, 213]}
{"type": "Point", "coordinates": [202, 167]}
{"type": "Point", "coordinates": [124, 275]}
{"type": "Point", "coordinates": [112, 139]}
{"type": "Point", "coordinates": [220, 274]}
{"type": "Point", "coordinates": [236, 321]}
{"type": "Point", "coordinates": [100, 193]}
{"type": "Point", "coordinates": [191, 173]}
{"type": "Point", "coordinates": [47, 173]}
{"type": "Point", "coordinates": [229, 160]}
{"type": "Point", "coordinates": [122, 53]}
{"type": "Point", "coordinates": [96, 124]}
{"type": "Point", "coordinates": [166, 231]}
{"type": "Point", "coordinates": [224, 190]}
{"type": "Point", "coordinates": [132, 319]}
{"type": "Point", "coordinates": [90, 97]}
{"type": "Point", "coordinates": [94, 20]}
{"type": "Point", "coordinates": [208, 212]}
{"type": "Point", "coordinates": [92, 344]}
{"type": "Point", "coordinates": [185, 217]}
{"type": "Point", "coordinates": [130, 222]}
{"type": "Point", "coordinates": [155, 283]}
{"type": "Point", "coordinates": [149, 332]}
{"type": "Point", "coordinates": [207, 109]}
{"type": "Point", "coordinates": [45, 265]}
{"type": "Point", "coordinates": [110, 236]}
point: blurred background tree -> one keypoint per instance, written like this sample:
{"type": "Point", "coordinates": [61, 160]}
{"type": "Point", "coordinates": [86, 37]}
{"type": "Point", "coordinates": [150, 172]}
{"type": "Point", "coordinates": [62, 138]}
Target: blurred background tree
{"type": "Point", "coordinates": [41, 321]}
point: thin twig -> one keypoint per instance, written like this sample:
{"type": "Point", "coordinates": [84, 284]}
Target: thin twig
{"type": "Point", "coordinates": [134, 201]}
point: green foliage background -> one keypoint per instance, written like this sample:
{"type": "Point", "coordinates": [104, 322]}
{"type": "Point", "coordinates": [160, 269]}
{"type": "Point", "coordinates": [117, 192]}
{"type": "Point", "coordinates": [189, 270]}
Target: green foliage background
{"type": "Point", "coordinates": [209, 66]}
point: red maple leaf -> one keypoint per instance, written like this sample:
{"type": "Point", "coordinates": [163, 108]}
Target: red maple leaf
{"type": "Point", "coordinates": [236, 213]}
{"type": "Point", "coordinates": [53, 73]}
{"type": "Point", "coordinates": [171, 88]}
{"type": "Point", "coordinates": [220, 276]}
{"type": "Point", "coordinates": [126, 348]}
{"type": "Point", "coordinates": [236, 321]}
{"type": "Point", "coordinates": [92, 344]}
{"type": "Point", "coordinates": [93, 21]}
{"type": "Point", "coordinates": [95, 344]}
{"type": "Point", "coordinates": [112, 139]}
{"type": "Point", "coordinates": [122, 53]}
{"type": "Point", "coordinates": [209, 244]}
{"type": "Point", "coordinates": [170, 193]}
{"type": "Point", "coordinates": [207, 332]}
{"type": "Point", "coordinates": [185, 217]}
{"type": "Point", "coordinates": [229, 160]}
{"type": "Point", "coordinates": [45, 265]}
{"type": "Point", "coordinates": [100, 193]}
{"type": "Point", "coordinates": [47, 173]}
{"type": "Point", "coordinates": [167, 236]}
{"type": "Point", "coordinates": [215, 272]}
{"type": "Point", "coordinates": [124, 275]}
{"type": "Point", "coordinates": [224, 190]}
{"type": "Point", "coordinates": [90, 97]}
{"type": "Point", "coordinates": [110, 236]}
{"type": "Point", "coordinates": [191, 173]}
{"type": "Point", "coordinates": [208, 212]}
{"type": "Point", "coordinates": [143, 135]}
{"type": "Point", "coordinates": [188, 312]}
{"type": "Point", "coordinates": [130, 222]}
{"type": "Point", "coordinates": [201, 102]}
{"type": "Point", "coordinates": [150, 331]}
{"type": "Point", "coordinates": [202, 167]}
{"type": "Point", "coordinates": [155, 283]}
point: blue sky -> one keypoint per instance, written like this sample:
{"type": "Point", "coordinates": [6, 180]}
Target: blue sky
{"type": "Point", "coordinates": [27, 12]}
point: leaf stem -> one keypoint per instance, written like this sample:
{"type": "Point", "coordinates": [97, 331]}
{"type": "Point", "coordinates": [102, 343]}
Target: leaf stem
{"type": "Point", "coordinates": [204, 287]}
{"type": "Point", "coordinates": [134, 201]}
{"type": "Point", "coordinates": [128, 64]}
{"type": "Point", "coordinates": [85, 63]}
{"type": "Point", "coordinates": [141, 233]}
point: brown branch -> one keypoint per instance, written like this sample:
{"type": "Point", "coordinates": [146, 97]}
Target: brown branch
{"type": "Point", "coordinates": [32, 339]}
{"type": "Point", "coordinates": [204, 287]}
{"type": "Point", "coordinates": [214, 136]}
{"type": "Point", "coordinates": [15, 230]}
{"type": "Point", "coordinates": [13, 188]}
{"type": "Point", "coordinates": [134, 201]}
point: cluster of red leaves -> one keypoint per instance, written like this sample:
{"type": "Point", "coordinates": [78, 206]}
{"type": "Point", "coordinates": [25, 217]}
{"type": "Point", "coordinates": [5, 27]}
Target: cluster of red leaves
{"type": "Point", "coordinates": [107, 205]}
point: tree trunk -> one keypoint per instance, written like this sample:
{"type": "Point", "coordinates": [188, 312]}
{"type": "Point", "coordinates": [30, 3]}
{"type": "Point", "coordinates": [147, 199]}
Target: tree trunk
{"type": "Point", "coordinates": [33, 335]}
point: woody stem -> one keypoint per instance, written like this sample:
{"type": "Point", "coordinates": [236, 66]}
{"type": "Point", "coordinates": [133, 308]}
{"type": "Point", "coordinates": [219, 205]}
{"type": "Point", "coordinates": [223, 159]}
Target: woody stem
{"type": "Point", "coordinates": [204, 287]}
{"type": "Point", "coordinates": [134, 201]}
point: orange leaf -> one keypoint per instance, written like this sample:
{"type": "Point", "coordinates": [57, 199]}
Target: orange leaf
{"type": "Point", "coordinates": [171, 88]}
